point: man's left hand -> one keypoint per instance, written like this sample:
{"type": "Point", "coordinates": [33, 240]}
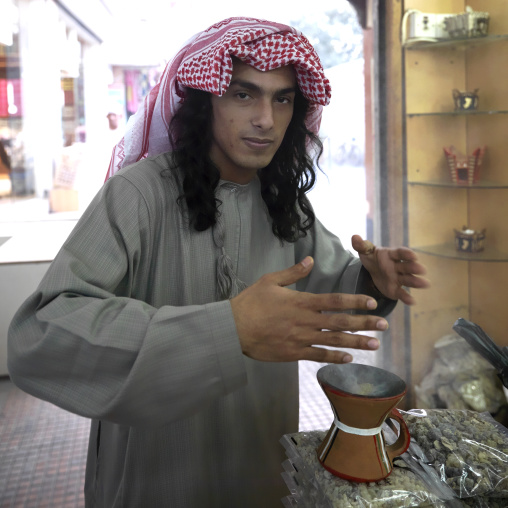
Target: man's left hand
{"type": "Point", "coordinates": [392, 270]}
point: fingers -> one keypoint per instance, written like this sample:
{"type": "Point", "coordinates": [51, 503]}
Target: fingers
{"type": "Point", "coordinates": [343, 339]}
{"type": "Point", "coordinates": [410, 267]}
{"type": "Point", "coordinates": [349, 341]}
{"type": "Point", "coordinates": [405, 297]}
{"type": "Point", "coordinates": [412, 281]}
{"type": "Point", "coordinates": [338, 302]}
{"type": "Point", "coordinates": [362, 246]}
{"type": "Point", "coordinates": [341, 322]}
{"type": "Point", "coordinates": [409, 274]}
{"type": "Point", "coordinates": [322, 355]}
{"type": "Point", "coordinates": [290, 275]}
{"type": "Point", "coordinates": [277, 324]}
{"type": "Point", "coordinates": [409, 270]}
{"type": "Point", "coordinates": [403, 254]}
{"type": "Point", "coordinates": [317, 302]}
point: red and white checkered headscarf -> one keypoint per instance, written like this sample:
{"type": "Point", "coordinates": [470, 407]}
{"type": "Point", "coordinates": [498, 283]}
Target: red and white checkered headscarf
{"type": "Point", "coordinates": [205, 63]}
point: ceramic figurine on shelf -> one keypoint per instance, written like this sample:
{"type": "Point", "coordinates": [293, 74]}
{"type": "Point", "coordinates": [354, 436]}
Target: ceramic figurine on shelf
{"type": "Point", "coordinates": [464, 170]}
{"type": "Point", "coordinates": [469, 240]}
{"type": "Point", "coordinates": [465, 101]}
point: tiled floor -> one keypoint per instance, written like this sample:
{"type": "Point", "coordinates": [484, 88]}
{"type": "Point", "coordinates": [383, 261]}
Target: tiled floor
{"type": "Point", "coordinates": [43, 448]}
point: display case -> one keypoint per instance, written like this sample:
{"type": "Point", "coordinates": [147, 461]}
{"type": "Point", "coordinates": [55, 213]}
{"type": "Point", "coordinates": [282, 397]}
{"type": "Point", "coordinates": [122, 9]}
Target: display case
{"type": "Point", "coordinates": [465, 283]}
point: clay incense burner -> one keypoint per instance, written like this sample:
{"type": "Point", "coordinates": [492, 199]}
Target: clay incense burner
{"type": "Point", "coordinates": [362, 398]}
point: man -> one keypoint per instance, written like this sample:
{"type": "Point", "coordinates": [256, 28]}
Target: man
{"type": "Point", "coordinates": [175, 311]}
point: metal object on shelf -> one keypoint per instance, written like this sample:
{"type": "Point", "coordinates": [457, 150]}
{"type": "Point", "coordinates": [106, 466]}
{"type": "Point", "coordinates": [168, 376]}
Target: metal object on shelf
{"type": "Point", "coordinates": [465, 101]}
{"type": "Point", "coordinates": [469, 240]}
{"type": "Point", "coordinates": [468, 24]}
{"type": "Point", "coordinates": [464, 170]}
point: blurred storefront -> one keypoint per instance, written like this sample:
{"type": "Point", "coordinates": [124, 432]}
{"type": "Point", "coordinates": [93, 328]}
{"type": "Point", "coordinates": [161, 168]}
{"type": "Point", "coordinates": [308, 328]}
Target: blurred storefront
{"type": "Point", "coordinates": [62, 101]}
{"type": "Point", "coordinates": [65, 94]}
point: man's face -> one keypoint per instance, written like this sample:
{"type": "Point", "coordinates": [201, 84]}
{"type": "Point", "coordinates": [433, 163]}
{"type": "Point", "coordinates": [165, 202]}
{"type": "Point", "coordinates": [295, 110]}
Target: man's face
{"type": "Point", "coordinates": [250, 120]}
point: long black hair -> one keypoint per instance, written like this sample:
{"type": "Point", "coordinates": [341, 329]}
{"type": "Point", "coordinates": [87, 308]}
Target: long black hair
{"type": "Point", "coordinates": [284, 182]}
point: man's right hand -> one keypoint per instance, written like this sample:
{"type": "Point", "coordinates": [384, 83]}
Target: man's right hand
{"type": "Point", "coordinates": [278, 324]}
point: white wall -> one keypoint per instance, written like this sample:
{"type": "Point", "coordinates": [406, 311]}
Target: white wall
{"type": "Point", "coordinates": [26, 251]}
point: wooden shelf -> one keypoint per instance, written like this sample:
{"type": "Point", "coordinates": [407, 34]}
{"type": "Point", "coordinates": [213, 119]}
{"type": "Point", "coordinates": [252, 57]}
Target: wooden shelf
{"type": "Point", "coordinates": [431, 203]}
{"type": "Point", "coordinates": [480, 185]}
{"type": "Point", "coordinates": [448, 250]}
{"type": "Point", "coordinates": [459, 113]}
{"type": "Point", "coordinates": [454, 43]}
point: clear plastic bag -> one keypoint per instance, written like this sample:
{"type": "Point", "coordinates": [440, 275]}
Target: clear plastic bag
{"type": "Point", "coordinates": [313, 486]}
{"type": "Point", "coordinates": [460, 378]}
{"type": "Point", "coordinates": [457, 458]}
{"type": "Point", "coordinates": [467, 449]}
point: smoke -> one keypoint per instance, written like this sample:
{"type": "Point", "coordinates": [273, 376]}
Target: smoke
{"type": "Point", "coordinates": [362, 380]}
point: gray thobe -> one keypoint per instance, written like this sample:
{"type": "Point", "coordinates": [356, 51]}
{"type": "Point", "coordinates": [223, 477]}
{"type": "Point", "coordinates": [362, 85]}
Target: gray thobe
{"type": "Point", "coordinates": [126, 329]}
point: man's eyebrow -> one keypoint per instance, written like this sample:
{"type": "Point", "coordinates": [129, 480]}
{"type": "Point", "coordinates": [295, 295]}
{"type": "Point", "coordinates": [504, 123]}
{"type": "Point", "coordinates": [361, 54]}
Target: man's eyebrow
{"type": "Point", "coordinates": [248, 85]}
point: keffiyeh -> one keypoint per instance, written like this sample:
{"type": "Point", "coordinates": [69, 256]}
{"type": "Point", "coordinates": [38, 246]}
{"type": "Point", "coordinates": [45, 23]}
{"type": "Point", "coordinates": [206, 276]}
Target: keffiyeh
{"type": "Point", "coordinates": [205, 63]}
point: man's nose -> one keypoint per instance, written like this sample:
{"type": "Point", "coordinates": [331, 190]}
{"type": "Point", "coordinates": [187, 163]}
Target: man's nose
{"type": "Point", "coordinates": [263, 114]}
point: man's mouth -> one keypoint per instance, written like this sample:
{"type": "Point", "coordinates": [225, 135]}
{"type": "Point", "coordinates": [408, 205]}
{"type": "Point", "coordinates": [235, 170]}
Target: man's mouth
{"type": "Point", "coordinates": [258, 143]}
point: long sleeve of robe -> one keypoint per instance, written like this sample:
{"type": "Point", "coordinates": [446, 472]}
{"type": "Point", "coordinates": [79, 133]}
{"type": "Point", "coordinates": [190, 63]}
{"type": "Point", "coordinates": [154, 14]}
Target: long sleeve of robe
{"type": "Point", "coordinates": [125, 329]}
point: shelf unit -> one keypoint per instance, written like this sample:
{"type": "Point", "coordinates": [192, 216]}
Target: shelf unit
{"type": "Point", "coordinates": [484, 184]}
{"type": "Point", "coordinates": [458, 113]}
{"type": "Point", "coordinates": [456, 43]}
{"type": "Point", "coordinates": [468, 285]}
{"type": "Point", "coordinates": [448, 250]}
